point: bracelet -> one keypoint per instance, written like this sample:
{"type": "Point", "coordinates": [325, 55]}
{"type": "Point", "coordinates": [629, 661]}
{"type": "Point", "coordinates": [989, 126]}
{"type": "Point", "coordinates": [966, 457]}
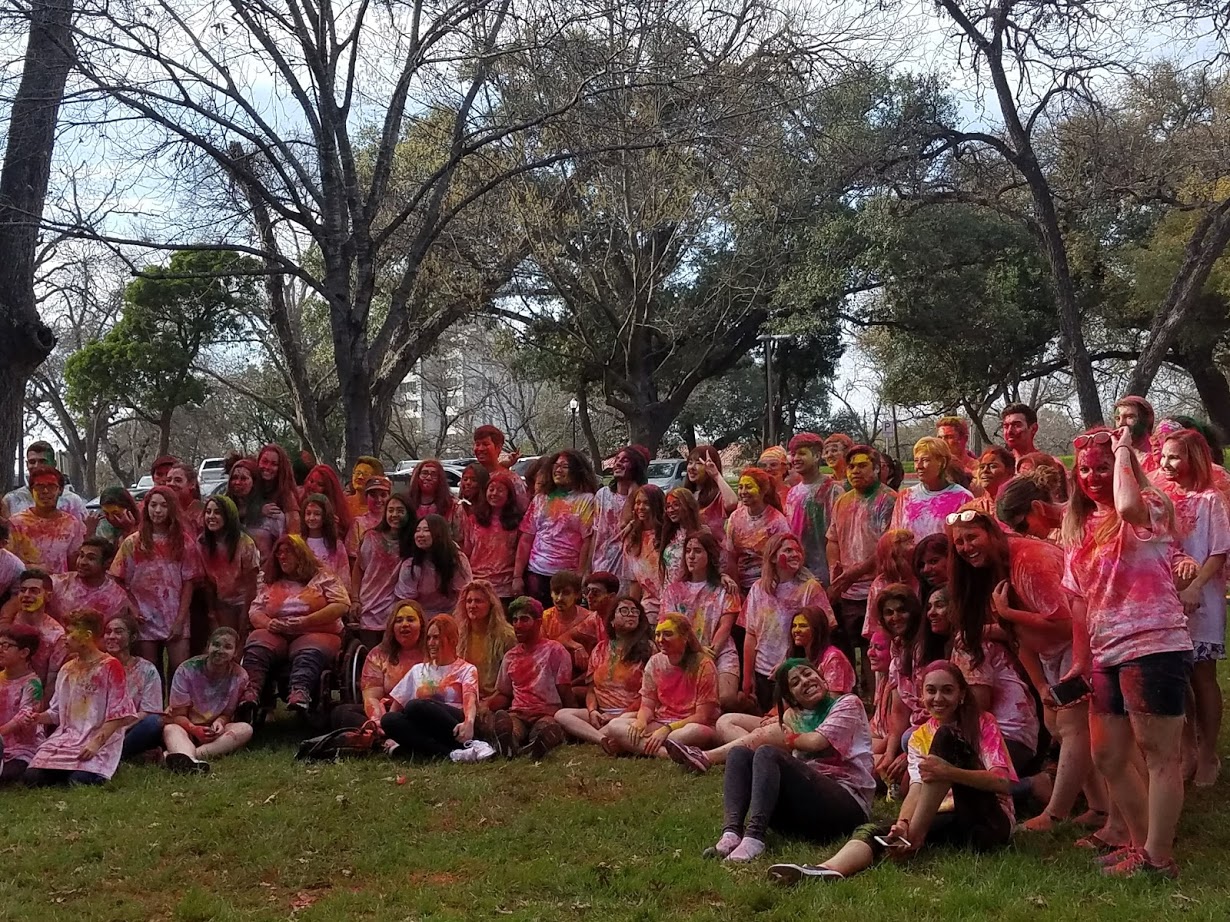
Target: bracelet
{"type": "Point", "coordinates": [1123, 447]}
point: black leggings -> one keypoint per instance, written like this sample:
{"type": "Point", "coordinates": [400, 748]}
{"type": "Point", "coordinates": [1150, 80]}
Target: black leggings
{"type": "Point", "coordinates": [423, 728]}
{"type": "Point", "coordinates": [774, 790]}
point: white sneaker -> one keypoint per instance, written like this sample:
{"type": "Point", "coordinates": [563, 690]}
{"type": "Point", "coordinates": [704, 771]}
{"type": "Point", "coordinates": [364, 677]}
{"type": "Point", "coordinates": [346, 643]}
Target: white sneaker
{"type": "Point", "coordinates": [473, 751]}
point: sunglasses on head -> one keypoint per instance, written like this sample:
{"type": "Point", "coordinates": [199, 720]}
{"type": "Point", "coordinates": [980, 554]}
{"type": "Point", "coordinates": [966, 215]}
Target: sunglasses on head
{"type": "Point", "coordinates": [966, 517]}
{"type": "Point", "coordinates": [1098, 438]}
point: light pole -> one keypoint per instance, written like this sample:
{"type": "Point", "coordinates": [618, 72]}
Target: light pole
{"type": "Point", "coordinates": [770, 415]}
{"type": "Point", "coordinates": [573, 406]}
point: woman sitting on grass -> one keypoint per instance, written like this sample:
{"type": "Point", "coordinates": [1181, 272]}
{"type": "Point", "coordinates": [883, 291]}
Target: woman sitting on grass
{"type": "Point", "coordinates": [961, 778]}
{"type": "Point", "coordinates": [678, 696]}
{"type": "Point", "coordinates": [433, 708]}
{"type": "Point", "coordinates": [204, 694]}
{"type": "Point", "coordinates": [616, 671]}
{"type": "Point", "coordinates": [820, 789]}
{"type": "Point", "coordinates": [404, 645]}
{"type": "Point", "coordinates": [144, 686]}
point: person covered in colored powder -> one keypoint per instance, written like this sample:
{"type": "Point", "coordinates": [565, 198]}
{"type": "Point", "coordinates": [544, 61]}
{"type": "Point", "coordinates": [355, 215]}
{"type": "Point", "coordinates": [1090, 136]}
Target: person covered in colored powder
{"type": "Point", "coordinates": [200, 712]}
{"type": "Point", "coordinates": [809, 504]}
{"type": "Point", "coordinates": [558, 528]}
{"type": "Point", "coordinates": [21, 699]}
{"type": "Point", "coordinates": [51, 537]}
{"type": "Point", "coordinates": [89, 710]}
{"type": "Point", "coordinates": [923, 507]}
{"type": "Point", "coordinates": [535, 681]}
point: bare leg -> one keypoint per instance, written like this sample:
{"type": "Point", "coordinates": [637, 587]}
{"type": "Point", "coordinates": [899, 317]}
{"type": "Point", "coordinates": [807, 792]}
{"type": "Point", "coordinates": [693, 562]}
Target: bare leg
{"type": "Point", "coordinates": [177, 653]}
{"type": "Point", "coordinates": [689, 735]}
{"type": "Point", "coordinates": [1075, 760]}
{"type": "Point", "coordinates": [1159, 739]}
{"type": "Point", "coordinates": [851, 858]}
{"type": "Point", "coordinates": [1207, 720]}
{"type": "Point", "coordinates": [1113, 742]}
{"type": "Point", "coordinates": [176, 739]}
{"type": "Point", "coordinates": [620, 730]}
{"type": "Point", "coordinates": [234, 737]}
{"type": "Point", "coordinates": [770, 735]}
{"type": "Point", "coordinates": [731, 727]}
{"type": "Point", "coordinates": [575, 722]}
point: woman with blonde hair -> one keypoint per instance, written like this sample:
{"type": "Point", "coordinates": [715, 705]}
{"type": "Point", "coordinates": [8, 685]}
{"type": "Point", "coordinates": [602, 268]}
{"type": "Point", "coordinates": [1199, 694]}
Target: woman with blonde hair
{"type": "Point", "coordinates": [924, 507]}
{"type": "Point", "coordinates": [679, 699]}
{"type": "Point", "coordinates": [484, 634]}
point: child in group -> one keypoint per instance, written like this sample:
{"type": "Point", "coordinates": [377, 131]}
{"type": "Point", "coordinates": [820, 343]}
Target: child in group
{"type": "Point", "coordinates": [204, 695]}
{"type": "Point", "coordinates": [89, 709]}
{"type": "Point", "coordinates": [21, 698]}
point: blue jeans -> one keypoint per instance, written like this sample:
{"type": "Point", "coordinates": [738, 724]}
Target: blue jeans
{"type": "Point", "coordinates": [142, 736]}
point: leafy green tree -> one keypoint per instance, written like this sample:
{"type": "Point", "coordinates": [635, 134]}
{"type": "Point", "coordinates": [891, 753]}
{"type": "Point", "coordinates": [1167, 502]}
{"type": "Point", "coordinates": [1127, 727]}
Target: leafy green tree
{"type": "Point", "coordinates": [171, 316]}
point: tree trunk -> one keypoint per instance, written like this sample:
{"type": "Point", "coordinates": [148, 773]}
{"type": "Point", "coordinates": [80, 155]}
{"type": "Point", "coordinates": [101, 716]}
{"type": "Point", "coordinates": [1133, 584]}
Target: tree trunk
{"type": "Point", "coordinates": [587, 428]}
{"type": "Point", "coordinates": [164, 432]}
{"type": "Point", "coordinates": [1204, 248]}
{"type": "Point", "coordinates": [25, 341]}
{"type": "Point", "coordinates": [1212, 386]}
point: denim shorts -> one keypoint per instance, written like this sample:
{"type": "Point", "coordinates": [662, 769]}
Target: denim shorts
{"type": "Point", "coordinates": [1155, 684]}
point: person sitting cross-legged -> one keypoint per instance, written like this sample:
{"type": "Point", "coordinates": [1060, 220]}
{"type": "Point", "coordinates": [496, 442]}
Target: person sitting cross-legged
{"type": "Point", "coordinates": [535, 681]}
{"type": "Point", "coordinates": [204, 695]}
{"type": "Point", "coordinates": [679, 699]}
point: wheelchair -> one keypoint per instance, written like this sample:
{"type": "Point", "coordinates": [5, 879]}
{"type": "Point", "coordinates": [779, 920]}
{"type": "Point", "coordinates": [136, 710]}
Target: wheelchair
{"type": "Point", "coordinates": [340, 683]}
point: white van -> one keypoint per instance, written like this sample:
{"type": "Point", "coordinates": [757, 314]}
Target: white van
{"type": "Point", "coordinates": [211, 470]}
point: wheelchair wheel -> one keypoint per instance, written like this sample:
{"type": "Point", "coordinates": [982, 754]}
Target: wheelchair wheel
{"type": "Point", "coordinates": [350, 672]}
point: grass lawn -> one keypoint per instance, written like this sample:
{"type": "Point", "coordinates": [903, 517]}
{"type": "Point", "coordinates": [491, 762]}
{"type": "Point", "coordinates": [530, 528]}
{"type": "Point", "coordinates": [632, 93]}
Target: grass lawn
{"type": "Point", "coordinates": [578, 836]}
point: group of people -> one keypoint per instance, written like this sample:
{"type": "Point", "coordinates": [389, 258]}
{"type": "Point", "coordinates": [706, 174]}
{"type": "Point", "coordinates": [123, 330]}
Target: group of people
{"type": "Point", "coordinates": [1001, 635]}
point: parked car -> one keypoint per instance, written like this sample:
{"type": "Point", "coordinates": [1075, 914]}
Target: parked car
{"type": "Point", "coordinates": [668, 473]}
{"type": "Point", "coordinates": [211, 471]}
{"type": "Point", "coordinates": [146, 483]}
{"type": "Point", "coordinates": [405, 470]}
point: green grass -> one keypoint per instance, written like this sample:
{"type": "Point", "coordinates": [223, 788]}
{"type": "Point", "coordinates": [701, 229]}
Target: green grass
{"type": "Point", "coordinates": [578, 836]}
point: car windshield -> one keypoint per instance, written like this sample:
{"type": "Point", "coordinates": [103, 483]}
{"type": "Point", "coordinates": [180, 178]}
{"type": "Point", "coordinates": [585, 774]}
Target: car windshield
{"type": "Point", "coordinates": [662, 468]}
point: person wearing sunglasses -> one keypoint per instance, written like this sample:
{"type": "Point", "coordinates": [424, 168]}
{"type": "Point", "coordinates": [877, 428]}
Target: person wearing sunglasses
{"type": "Point", "coordinates": [922, 507]}
{"type": "Point", "coordinates": [1011, 586]}
{"type": "Point", "coordinates": [1130, 637]}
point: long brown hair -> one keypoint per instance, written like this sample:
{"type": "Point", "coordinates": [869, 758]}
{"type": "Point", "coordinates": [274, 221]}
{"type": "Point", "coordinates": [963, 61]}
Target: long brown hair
{"type": "Point", "coordinates": [388, 643]}
{"type": "Point", "coordinates": [970, 588]}
{"type": "Point", "coordinates": [689, 517]}
{"type": "Point", "coordinates": [768, 560]}
{"type": "Point", "coordinates": [895, 556]}
{"type": "Point", "coordinates": [634, 539]}
{"type": "Point", "coordinates": [708, 490]}
{"type": "Point", "coordinates": [175, 524]}
{"type": "Point", "coordinates": [328, 525]}
{"type": "Point", "coordinates": [1199, 459]}
{"type": "Point", "coordinates": [639, 646]}
{"type": "Point", "coordinates": [284, 493]}
{"type": "Point", "coordinates": [443, 497]}
{"type": "Point", "coordinates": [1081, 507]}
{"type": "Point", "coordinates": [968, 716]}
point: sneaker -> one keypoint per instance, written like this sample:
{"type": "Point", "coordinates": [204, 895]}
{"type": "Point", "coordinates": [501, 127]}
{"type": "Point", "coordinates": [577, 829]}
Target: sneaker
{"type": "Point", "coordinates": [299, 700]}
{"type": "Point", "coordinates": [1137, 864]}
{"type": "Point", "coordinates": [792, 873]}
{"type": "Point", "coordinates": [1122, 853]}
{"type": "Point", "coordinates": [473, 751]}
{"type": "Point", "coordinates": [183, 764]}
{"type": "Point", "coordinates": [690, 757]}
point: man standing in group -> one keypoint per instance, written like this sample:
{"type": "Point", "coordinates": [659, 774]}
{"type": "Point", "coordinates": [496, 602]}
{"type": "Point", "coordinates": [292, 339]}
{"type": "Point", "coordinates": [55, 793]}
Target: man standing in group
{"type": "Point", "coordinates": [48, 537]}
{"type": "Point", "coordinates": [809, 503]}
{"type": "Point", "coordinates": [488, 443]}
{"type": "Point", "coordinates": [40, 454]}
{"type": "Point", "coordinates": [954, 431]}
{"type": "Point", "coordinates": [1020, 425]}
{"type": "Point", "coordinates": [1136, 415]}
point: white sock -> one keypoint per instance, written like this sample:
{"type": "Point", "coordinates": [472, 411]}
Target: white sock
{"type": "Point", "coordinates": [727, 844]}
{"type": "Point", "coordinates": [749, 849]}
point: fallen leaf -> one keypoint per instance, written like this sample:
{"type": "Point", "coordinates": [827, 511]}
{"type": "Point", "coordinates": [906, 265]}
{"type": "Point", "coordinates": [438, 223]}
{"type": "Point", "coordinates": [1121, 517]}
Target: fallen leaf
{"type": "Point", "coordinates": [303, 899]}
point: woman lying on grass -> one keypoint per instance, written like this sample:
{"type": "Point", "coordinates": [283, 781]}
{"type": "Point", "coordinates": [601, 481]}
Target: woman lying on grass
{"type": "Point", "coordinates": [960, 776]}
{"type": "Point", "coordinates": [821, 788]}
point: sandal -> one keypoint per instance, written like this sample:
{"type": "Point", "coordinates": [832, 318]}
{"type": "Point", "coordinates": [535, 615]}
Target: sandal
{"type": "Point", "coordinates": [1095, 843]}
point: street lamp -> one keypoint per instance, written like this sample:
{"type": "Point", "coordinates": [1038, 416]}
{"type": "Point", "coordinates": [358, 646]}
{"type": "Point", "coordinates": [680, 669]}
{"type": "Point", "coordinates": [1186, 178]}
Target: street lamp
{"type": "Point", "coordinates": [573, 406]}
{"type": "Point", "coordinates": [770, 415]}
